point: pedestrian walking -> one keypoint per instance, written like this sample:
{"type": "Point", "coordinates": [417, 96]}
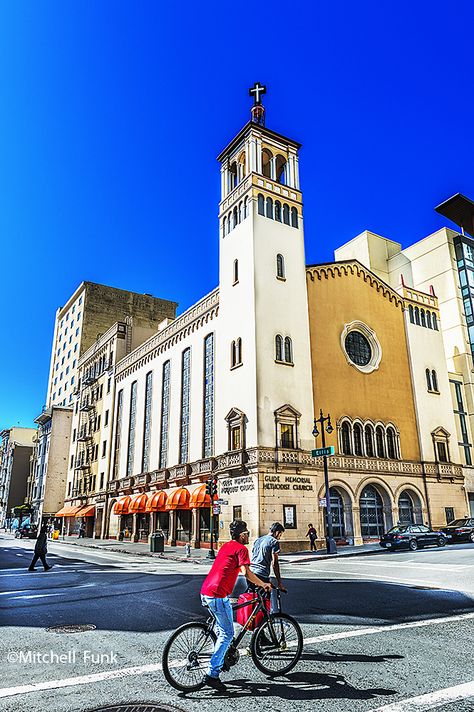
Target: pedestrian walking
{"type": "Point", "coordinates": [41, 549]}
{"type": "Point", "coordinates": [82, 531]}
{"type": "Point", "coordinates": [313, 535]}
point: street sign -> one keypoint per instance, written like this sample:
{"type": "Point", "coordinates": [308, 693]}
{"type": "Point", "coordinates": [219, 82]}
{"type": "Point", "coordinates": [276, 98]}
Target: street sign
{"type": "Point", "coordinates": [221, 501]}
{"type": "Point", "coordinates": [323, 451]}
{"type": "Point", "coordinates": [322, 501]}
{"type": "Point", "coordinates": [216, 509]}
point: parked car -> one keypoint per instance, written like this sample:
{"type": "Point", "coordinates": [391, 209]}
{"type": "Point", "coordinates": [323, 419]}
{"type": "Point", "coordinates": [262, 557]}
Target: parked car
{"type": "Point", "coordinates": [412, 536]}
{"type": "Point", "coordinates": [26, 532]}
{"type": "Point", "coordinates": [460, 530]}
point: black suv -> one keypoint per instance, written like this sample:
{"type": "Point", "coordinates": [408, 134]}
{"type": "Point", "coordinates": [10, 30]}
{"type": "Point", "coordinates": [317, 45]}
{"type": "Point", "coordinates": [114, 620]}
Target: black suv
{"type": "Point", "coordinates": [411, 536]}
{"type": "Point", "coordinates": [460, 530]}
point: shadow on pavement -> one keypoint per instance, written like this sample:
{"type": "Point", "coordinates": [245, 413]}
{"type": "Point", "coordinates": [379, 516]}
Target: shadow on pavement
{"type": "Point", "coordinates": [299, 686]}
{"type": "Point", "coordinates": [329, 657]}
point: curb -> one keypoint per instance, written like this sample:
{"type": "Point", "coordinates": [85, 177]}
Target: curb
{"type": "Point", "coordinates": [149, 554]}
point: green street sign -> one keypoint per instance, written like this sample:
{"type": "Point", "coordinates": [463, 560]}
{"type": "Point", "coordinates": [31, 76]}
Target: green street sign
{"type": "Point", "coordinates": [323, 451]}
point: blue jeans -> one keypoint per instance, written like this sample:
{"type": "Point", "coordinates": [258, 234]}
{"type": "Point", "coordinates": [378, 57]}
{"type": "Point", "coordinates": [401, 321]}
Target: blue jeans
{"type": "Point", "coordinates": [222, 611]}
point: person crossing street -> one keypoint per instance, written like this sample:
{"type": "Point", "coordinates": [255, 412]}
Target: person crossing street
{"type": "Point", "coordinates": [41, 549]}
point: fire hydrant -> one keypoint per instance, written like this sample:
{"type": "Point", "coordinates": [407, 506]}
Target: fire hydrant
{"type": "Point", "coordinates": [187, 549]}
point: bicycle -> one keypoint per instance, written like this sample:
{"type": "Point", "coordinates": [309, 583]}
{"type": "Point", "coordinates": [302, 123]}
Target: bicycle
{"type": "Point", "coordinates": [276, 646]}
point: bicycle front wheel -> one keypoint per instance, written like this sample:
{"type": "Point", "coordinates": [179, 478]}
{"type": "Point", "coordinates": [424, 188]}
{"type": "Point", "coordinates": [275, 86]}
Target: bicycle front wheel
{"type": "Point", "coordinates": [186, 656]}
{"type": "Point", "coordinates": [276, 646]}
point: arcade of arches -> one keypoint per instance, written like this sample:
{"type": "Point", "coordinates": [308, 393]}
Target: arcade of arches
{"type": "Point", "coordinates": [365, 515]}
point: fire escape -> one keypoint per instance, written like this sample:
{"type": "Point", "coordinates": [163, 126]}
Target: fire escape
{"type": "Point", "coordinates": [85, 446]}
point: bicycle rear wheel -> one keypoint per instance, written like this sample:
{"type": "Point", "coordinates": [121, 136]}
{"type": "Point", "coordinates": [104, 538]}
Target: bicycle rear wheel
{"type": "Point", "coordinates": [277, 653]}
{"type": "Point", "coordinates": [186, 656]}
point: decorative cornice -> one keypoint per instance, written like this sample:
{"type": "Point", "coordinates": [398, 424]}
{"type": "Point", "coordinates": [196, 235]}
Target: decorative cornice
{"type": "Point", "coordinates": [354, 268]}
{"type": "Point", "coordinates": [192, 319]}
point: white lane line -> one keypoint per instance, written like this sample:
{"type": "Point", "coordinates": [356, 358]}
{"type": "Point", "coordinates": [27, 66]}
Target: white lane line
{"type": "Point", "coordinates": [65, 590]}
{"type": "Point", "coordinates": [409, 565]}
{"type": "Point", "coordinates": [431, 699]}
{"type": "Point", "coordinates": [154, 667]}
{"type": "Point", "coordinates": [395, 579]}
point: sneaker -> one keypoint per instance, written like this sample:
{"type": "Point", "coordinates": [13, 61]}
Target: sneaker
{"type": "Point", "coordinates": [31, 570]}
{"type": "Point", "coordinates": [48, 568]}
{"type": "Point", "coordinates": [214, 682]}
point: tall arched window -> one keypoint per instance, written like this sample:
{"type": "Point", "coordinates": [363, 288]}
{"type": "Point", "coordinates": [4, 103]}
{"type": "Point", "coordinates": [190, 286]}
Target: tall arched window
{"type": "Point", "coordinates": [417, 316]}
{"type": "Point", "coordinates": [405, 509]}
{"type": "Point", "coordinates": [236, 271]}
{"type": "Point", "coordinates": [357, 430]}
{"type": "Point", "coordinates": [224, 226]}
{"type": "Point", "coordinates": [428, 320]}
{"type": "Point", "coordinates": [236, 217]}
{"type": "Point", "coordinates": [267, 163]}
{"type": "Point", "coordinates": [232, 176]}
{"type": "Point", "coordinates": [280, 267]}
{"type": "Point", "coordinates": [371, 513]}
{"type": "Point", "coordinates": [423, 318]}
{"type": "Point", "coordinates": [294, 217]}
{"type": "Point", "coordinates": [391, 444]}
{"type": "Point", "coordinates": [286, 214]}
{"type": "Point", "coordinates": [246, 207]}
{"type": "Point", "coordinates": [241, 167]}
{"type": "Point", "coordinates": [428, 379]}
{"type": "Point", "coordinates": [261, 204]}
{"type": "Point", "coordinates": [337, 513]}
{"type": "Point", "coordinates": [435, 322]}
{"type": "Point", "coordinates": [269, 208]}
{"type": "Point", "coordinates": [229, 223]}
{"type": "Point", "coordinates": [288, 350]}
{"type": "Point", "coordinates": [239, 350]}
{"type": "Point", "coordinates": [280, 170]}
{"type": "Point", "coordinates": [434, 380]}
{"type": "Point", "coordinates": [380, 439]}
{"type": "Point", "coordinates": [277, 210]}
{"type": "Point", "coordinates": [278, 348]}
{"type": "Point", "coordinates": [369, 440]}
{"type": "Point", "coordinates": [346, 439]}
{"type": "Point", "coordinates": [410, 311]}
{"type": "Point", "coordinates": [233, 354]}
{"type": "Point", "coordinates": [240, 212]}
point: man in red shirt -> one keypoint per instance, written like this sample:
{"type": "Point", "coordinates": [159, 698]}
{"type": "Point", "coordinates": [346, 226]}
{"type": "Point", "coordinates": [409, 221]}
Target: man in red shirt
{"type": "Point", "coordinates": [232, 559]}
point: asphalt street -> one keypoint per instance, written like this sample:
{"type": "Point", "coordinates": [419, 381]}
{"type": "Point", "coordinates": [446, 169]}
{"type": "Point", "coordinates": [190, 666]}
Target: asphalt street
{"type": "Point", "coordinates": [391, 632]}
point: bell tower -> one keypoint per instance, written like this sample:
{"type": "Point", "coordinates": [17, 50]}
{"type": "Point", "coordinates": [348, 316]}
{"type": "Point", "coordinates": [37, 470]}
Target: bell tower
{"type": "Point", "coordinates": [264, 359]}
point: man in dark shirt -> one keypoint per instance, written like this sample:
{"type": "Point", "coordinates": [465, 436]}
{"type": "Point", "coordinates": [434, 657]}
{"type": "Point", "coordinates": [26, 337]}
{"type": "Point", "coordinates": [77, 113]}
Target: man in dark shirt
{"type": "Point", "coordinates": [232, 559]}
{"type": "Point", "coordinates": [265, 557]}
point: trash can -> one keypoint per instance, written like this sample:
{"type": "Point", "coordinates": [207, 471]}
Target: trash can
{"type": "Point", "coordinates": [157, 542]}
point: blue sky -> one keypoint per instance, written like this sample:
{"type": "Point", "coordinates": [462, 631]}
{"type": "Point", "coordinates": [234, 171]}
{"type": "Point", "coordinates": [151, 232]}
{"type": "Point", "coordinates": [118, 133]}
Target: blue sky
{"type": "Point", "coordinates": [113, 114]}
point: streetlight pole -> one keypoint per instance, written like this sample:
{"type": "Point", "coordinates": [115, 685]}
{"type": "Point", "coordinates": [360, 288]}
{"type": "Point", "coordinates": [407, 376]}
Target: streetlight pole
{"type": "Point", "coordinates": [331, 547]}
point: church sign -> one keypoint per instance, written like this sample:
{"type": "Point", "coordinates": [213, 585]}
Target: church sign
{"type": "Point", "coordinates": [290, 482]}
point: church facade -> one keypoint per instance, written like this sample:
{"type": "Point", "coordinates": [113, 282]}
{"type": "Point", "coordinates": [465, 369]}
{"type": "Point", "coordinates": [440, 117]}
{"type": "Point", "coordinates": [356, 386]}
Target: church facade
{"type": "Point", "coordinates": [229, 389]}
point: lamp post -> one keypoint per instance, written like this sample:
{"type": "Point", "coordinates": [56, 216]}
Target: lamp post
{"type": "Point", "coordinates": [330, 543]}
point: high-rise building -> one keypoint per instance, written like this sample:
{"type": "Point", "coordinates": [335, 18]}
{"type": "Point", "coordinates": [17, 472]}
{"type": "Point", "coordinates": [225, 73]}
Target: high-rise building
{"type": "Point", "coordinates": [17, 446]}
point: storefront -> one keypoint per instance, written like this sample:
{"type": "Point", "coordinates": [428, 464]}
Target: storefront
{"type": "Point", "coordinates": [180, 522]}
{"type": "Point", "coordinates": [156, 508]}
{"type": "Point", "coordinates": [122, 510]}
{"type": "Point", "coordinates": [141, 518]}
{"type": "Point", "coordinates": [71, 523]}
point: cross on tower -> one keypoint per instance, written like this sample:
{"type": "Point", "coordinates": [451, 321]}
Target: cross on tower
{"type": "Point", "coordinates": [256, 90]}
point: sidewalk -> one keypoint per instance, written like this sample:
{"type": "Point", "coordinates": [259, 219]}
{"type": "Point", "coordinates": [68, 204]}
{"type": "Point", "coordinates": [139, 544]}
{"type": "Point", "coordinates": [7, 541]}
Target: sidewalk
{"type": "Point", "coordinates": [199, 556]}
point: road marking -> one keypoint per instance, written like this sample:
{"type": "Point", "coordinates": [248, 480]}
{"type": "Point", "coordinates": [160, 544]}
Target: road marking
{"type": "Point", "coordinates": [155, 667]}
{"type": "Point", "coordinates": [408, 565]}
{"type": "Point", "coordinates": [66, 590]}
{"type": "Point", "coordinates": [394, 578]}
{"type": "Point", "coordinates": [430, 700]}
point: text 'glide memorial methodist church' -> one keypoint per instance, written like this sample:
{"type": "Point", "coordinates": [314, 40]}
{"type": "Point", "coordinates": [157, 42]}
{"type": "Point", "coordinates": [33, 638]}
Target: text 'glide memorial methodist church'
{"type": "Point", "coordinates": [230, 387]}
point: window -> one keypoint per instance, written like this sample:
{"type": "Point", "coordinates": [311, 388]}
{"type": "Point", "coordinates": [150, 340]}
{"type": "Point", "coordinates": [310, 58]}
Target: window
{"type": "Point", "coordinates": [131, 429]}
{"type": "Point", "coordinates": [287, 435]}
{"type": "Point", "coordinates": [261, 204]}
{"type": "Point", "coordinates": [236, 421]}
{"type": "Point", "coordinates": [269, 212]}
{"type": "Point", "coordinates": [435, 322]}
{"type": "Point", "coordinates": [449, 513]}
{"type": "Point", "coordinates": [294, 217]}
{"type": "Point", "coordinates": [278, 348]}
{"type": "Point", "coordinates": [442, 451]}
{"type": "Point", "coordinates": [236, 353]}
{"type": "Point", "coordinates": [267, 163]}
{"type": "Point", "coordinates": [286, 214]}
{"type": "Point", "coordinates": [118, 429]}
{"type": "Point", "coordinates": [434, 380]}
{"type": "Point", "coordinates": [280, 267]}
{"type": "Point", "coordinates": [410, 311]}
{"type": "Point", "coordinates": [101, 486]}
{"type": "Point", "coordinates": [428, 379]}
{"type": "Point", "coordinates": [371, 513]}
{"type": "Point", "coordinates": [380, 440]}
{"type": "Point", "coordinates": [74, 435]}
{"type": "Point", "coordinates": [185, 393]}
{"type": "Point", "coordinates": [224, 226]}
{"type": "Point", "coordinates": [369, 440]}
{"type": "Point", "coordinates": [289, 516]}
{"type": "Point", "coordinates": [236, 271]}
{"type": "Point", "coordinates": [391, 444]}
{"type": "Point", "coordinates": [280, 170]}
{"type": "Point", "coordinates": [288, 350]}
{"type": "Point", "coordinates": [357, 430]}
{"type": "Point", "coordinates": [165, 403]}
{"type": "Point", "coordinates": [147, 422]}
{"type": "Point", "coordinates": [417, 316]}
{"type": "Point", "coordinates": [346, 439]}
{"type": "Point", "coordinates": [106, 418]}
{"type": "Point", "coordinates": [423, 318]}
{"type": "Point", "coordinates": [246, 207]}
{"type": "Point", "coordinates": [104, 448]}
{"type": "Point", "coordinates": [428, 320]}
{"type": "Point", "coordinates": [208, 444]}
{"type": "Point", "coordinates": [237, 513]}
{"type": "Point", "coordinates": [235, 439]}
{"type": "Point", "coordinates": [72, 462]}
{"type": "Point", "coordinates": [358, 348]}
{"type": "Point", "coordinates": [77, 331]}
{"type": "Point", "coordinates": [277, 210]}
{"type": "Point", "coordinates": [109, 383]}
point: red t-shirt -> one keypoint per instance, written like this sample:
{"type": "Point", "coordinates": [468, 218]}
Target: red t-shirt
{"type": "Point", "coordinates": [221, 579]}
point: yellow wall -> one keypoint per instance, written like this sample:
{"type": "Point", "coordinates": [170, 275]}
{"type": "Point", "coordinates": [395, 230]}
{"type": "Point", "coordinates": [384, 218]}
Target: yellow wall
{"type": "Point", "coordinates": [338, 295]}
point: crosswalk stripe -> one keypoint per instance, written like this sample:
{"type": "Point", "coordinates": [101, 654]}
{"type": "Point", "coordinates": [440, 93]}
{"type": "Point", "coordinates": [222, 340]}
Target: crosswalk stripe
{"type": "Point", "coordinates": [431, 700]}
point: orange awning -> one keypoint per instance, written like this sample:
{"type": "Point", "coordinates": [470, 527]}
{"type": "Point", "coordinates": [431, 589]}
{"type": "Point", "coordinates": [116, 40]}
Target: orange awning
{"type": "Point", "coordinates": [156, 501]}
{"type": "Point", "coordinates": [88, 510]}
{"type": "Point", "coordinates": [138, 503]}
{"type": "Point", "coordinates": [122, 505]}
{"type": "Point", "coordinates": [177, 498]}
{"type": "Point", "coordinates": [68, 511]}
{"type": "Point", "coordinates": [199, 498]}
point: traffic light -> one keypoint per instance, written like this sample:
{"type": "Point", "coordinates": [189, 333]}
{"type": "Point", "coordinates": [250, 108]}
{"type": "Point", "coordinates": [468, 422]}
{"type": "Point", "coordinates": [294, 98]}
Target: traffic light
{"type": "Point", "coordinates": [213, 488]}
{"type": "Point", "coordinates": [209, 487]}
